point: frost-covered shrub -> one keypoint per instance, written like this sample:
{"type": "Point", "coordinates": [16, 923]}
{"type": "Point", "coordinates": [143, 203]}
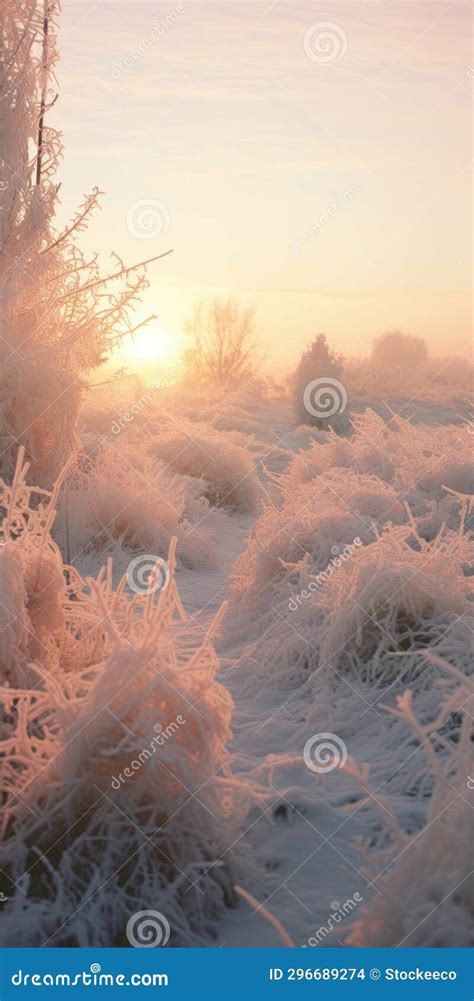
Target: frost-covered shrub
{"type": "Point", "coordinates": [326, 451]}
{"type": "Point", "coordinates": [435, 476]}
{"type": "Point", "coordinates": [108, 407]}
{"type": "Point", "coordinates": [375, 602]}
{"type": "Point", "coordinates": [89, 838]}
{"type": "Point", "coordinates": [283, 545]}
{"type": "Point", "coordinates": [316, 520]}
{"type": "Point", "coordinates": [363, 496]}
{"type": "Point", "coordinates": [406, 595]}
{"type": "Point", "coordinates": [123, 500]}
{"type": "Point", "coordinates": [431, 458]}
{"type": "Point", "coordinates": [425, 879]}
{"type": "Point", "coordinates": [227, 470]}
{"type": "Point", "coordinates": [32, 583]}
{"type": "Point", "coordinates": [456, 475]}
{"type": "Point", "coordinates": [371, 450]}
{"type": "Point", "coordinates": [420, 462]}
{"type": "Point", "coordinates": [439, 381]}
{"type": "Point", "coordinates": [59, 315]}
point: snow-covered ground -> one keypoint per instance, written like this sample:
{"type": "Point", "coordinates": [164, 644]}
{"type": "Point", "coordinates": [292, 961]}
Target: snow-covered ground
{"type": "Point", "coordinates": [341, 800]}
{"type": "Point", "coordinates": [308, 833]}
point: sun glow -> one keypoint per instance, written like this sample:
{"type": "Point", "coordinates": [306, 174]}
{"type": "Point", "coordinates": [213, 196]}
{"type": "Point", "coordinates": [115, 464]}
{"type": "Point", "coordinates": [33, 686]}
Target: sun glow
{"type": "Point", "coordinates": [151, 346]}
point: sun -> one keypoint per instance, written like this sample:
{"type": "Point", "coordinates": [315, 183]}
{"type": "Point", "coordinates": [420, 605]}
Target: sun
{"type": "Point", "coordinates": [152, 346]}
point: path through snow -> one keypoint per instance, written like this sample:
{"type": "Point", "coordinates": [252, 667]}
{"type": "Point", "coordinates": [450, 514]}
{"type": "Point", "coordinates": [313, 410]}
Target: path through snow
{"type": "Point", "coordinates": [305, 834]}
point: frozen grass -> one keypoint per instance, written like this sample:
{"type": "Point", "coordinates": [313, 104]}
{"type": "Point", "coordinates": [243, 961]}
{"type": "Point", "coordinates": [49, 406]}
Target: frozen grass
{"type": "Point", "coordinates": [391, 487]}
{"type": "Point", "coordinates": [225, 469]}
{"type": "Point", "coordinates": [425, 879]}
{"type": "Point", "coordinates": [282, 547]}
{"type": "Point", "coordinates": [397, 595]}
{"type": "Point", "coordinates": [384, 599]}
{"type": "Point", "coordinates": [326, 650]}
{"type": "Point", "coordinates": [123, 501]}
{"type": "Point", "coordinates": [90, 676]}
{"type": "Point", "coordinates": [409, 457]}
{"type": "Point", "coordinates": [314, 520]}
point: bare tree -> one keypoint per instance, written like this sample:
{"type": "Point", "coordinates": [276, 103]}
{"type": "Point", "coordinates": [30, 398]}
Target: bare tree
{"type": "Point", "coordinates": [222, 343]}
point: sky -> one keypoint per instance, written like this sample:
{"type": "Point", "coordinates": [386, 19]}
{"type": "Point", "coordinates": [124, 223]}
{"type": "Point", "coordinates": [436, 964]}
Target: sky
{"type": "Point", "coordinates": [311, 159]}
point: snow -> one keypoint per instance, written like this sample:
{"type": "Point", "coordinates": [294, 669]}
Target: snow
{"type": "Point", "coordinates": [309, 832]}
{"type": "Point", "coordinates": [335, 854]}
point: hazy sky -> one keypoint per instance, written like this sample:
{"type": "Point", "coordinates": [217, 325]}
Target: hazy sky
{"type": "Point", "coordinates": [328, 186]}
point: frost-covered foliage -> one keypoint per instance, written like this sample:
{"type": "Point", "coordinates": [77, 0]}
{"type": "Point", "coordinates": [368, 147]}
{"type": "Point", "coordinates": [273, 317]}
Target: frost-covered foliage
{"type": "Point", "coordinates": [311, 523]}
{"type": "Point", "coordinates": [32, 583]}
{"type": "Point", "coordinates": [89, 676]}
{"type": "Point", "coordinates": [321, 600]}
{"type": "Point", "coordinates": [58, 315]}
{"type": "Point", "coordinates": [406, 594]}
{"type": "Point", "coordinates": [395, 450]}
{"type": "Point", "coordinates": [226, 469]}
{"type": "Point", "coordinates": [287, 544]}
{"type": "Point", "coordinates": [121, 500]}
{"type": "Point", "coordinates": [420, 462]}
{"type": "Point", "coordinates": [424, 879]}
{"type": "Point", "coordinates": [334, 630]}
{"type": "Point", "coordinates": [370, 604]}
